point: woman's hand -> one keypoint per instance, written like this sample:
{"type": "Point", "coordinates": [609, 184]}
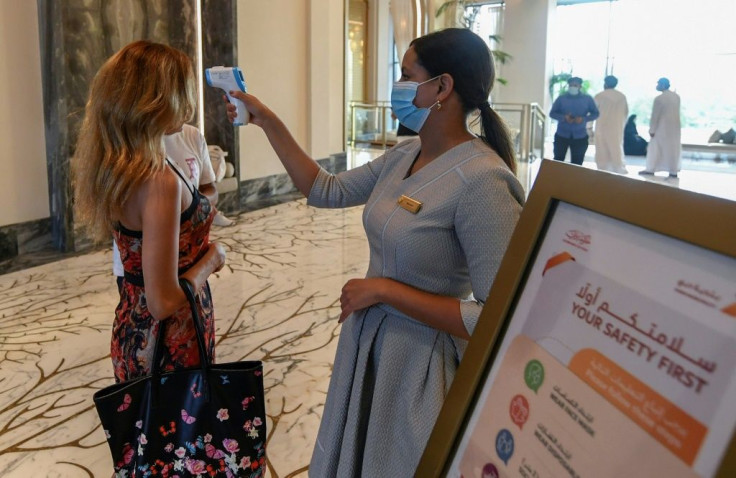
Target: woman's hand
{"type": "Point", "coordinates": [438, 311]}
{"type": "Point", "coordinates": [212, 261]}
{"type": "Point", "coordinates": [259, 113]}
{"type": "Point", "coordinates": [360, 293]}
{"type": "Point", "coordinates": [302, 169]}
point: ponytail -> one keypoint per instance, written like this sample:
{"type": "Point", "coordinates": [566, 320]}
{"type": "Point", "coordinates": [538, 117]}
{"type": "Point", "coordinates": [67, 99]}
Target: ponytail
{"type": "Point", "coordinates": [496, 135]}
{"type": "Point", "coordinates": [464, 55]}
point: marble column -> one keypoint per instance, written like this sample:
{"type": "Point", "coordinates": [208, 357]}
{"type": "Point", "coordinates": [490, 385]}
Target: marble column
{"type": "Point", "coordinates": [56, 108]}
{"type": "Point", "coordinates": [76, 37]}
{"type": "Point", "coordinates": [219, 48]}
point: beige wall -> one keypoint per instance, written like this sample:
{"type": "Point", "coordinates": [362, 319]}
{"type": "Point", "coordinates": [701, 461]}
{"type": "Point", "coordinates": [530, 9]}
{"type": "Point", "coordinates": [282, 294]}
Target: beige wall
{"type": "Point", "coordinates": [326, 78]}
{"type": "Point", "coordinates": [527, 28]}
{"type": "Point", "coordinates": [379, 53]}
{"type": "Point", "coordinates": [291, 53]}
{"type": "Point", "coordinates": [23, 179]}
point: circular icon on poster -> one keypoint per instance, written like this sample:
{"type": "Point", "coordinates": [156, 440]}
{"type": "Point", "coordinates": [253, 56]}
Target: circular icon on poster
{"type": "Point", "coordinates": [490, 471]}
{"type": "Point", "coordinates": [519, 410]}
{"type": "Point", "coordinates": [534, 374]}
{"type": "Point", "coordinates": [504, 445]}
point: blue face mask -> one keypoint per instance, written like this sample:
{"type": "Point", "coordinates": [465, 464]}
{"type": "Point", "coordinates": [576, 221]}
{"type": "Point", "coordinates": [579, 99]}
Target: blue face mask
{"type": "Point", "coordinates": [402, 104]}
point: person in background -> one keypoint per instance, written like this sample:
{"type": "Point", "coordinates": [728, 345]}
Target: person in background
{"type": "Point", "coordinates": [126, 187]}
{"type": "Point", "coordinates": [609, 127]}
{"type": "Point", "coordinates": [572, 111]}
{"type": "Point", "coordinates": [634, 145]}
{"type": "Point", "coordinates": [663, 153]}
{"type": "Point", "coordinates": [439, 211]}
{"type": "Point", "coordinates": [188, 149]}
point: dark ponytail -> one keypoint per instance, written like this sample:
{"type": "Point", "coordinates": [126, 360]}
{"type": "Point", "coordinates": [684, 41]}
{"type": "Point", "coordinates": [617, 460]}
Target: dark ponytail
{"type": "Point", "coordinates": [463, 55]}
{"type": "Point", "coordinates": [497, 136]}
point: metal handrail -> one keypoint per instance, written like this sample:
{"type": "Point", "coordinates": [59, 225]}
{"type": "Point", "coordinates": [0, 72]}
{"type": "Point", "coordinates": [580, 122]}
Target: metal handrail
{"type": "Point", "coordinates": [381, 107]}
{"type": "Point", "coordinates": [531, 115]}
{"type": "Point", "coordinates": [532, 120]}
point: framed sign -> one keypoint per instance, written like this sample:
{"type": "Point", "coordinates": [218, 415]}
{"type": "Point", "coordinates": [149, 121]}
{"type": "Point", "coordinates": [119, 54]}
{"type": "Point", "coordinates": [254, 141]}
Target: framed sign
{"type": "Point", "coordinates": [607, 346]}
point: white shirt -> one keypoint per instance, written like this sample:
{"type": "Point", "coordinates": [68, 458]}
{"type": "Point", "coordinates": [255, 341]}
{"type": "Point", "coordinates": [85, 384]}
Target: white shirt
{"type": "Point", "coordinates": [609, 130]}
{"type": "Point", "coordinates": [663, 152]}
{"type": "Point", "coordinates": [188, 150]}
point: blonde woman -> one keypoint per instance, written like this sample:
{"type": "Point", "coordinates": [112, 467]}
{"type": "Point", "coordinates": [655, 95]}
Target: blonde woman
{"type": "Point", "coordinates": [125, 186]}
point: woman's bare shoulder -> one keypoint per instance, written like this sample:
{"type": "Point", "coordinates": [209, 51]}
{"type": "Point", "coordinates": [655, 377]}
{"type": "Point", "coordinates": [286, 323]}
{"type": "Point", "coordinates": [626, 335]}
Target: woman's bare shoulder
{"type": "Point", "coordinates": [161, 183]}
{"type": "Point", "coordinates": [161, 189]}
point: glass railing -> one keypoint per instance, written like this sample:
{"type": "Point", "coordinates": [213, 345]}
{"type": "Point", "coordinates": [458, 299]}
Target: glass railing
{"type": "Point", "coordinates": [527, 123]}
{"type": "Point", "coordinates": [371, 125]}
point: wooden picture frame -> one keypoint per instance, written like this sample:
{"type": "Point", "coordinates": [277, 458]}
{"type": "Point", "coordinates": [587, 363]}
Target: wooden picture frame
{"type": "Point", "coordinates": [700, 225]}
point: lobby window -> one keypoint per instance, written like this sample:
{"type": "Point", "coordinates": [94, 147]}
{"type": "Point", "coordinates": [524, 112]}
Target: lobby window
{"type": "Point", "coordinates": [356, 50]}
{"type": "Point", "coordinates": [486, 20]}
{"type": "Point", "coordinates": [693, 43]}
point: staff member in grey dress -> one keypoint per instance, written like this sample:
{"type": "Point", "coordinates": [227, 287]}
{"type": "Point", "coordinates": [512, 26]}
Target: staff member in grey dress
{"type": "Point", "coordinates": [439, 212]}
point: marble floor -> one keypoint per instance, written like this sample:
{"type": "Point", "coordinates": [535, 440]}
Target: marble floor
{"type": "Point", "coordinates": [277, 300]}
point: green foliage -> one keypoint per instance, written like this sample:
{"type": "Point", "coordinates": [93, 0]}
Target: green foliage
{"type": "Point", "coordinates": [498, 55]}
{"type": "Point", "coordinates": [444, 7]}
{"type": "Point", "coordinates": [558, 84]}
{"type": "Point", "coordinates": [468, 13]}
{"type": "Point", "coordinates": [642, 108]}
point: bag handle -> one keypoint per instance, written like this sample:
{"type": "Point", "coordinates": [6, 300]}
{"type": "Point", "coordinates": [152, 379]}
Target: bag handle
{"type": "Point", "coordinates": [204, 359]}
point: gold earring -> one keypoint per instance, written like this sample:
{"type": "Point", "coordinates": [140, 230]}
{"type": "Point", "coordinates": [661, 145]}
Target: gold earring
{"type": "Point", "coordinates": [439, 106]}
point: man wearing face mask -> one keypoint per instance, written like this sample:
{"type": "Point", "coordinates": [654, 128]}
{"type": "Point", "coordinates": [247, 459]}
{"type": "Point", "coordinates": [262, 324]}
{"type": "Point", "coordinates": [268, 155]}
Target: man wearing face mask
{"type": "Point", "coordinates": [572, 111]}
{"type": "Point", "coordinates": [663, 153]}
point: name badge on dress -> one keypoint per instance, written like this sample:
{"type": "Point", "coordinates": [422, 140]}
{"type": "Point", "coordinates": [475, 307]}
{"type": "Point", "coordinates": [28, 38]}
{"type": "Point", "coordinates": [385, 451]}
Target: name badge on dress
{"type": "Point", "coordinates": [411, 205]}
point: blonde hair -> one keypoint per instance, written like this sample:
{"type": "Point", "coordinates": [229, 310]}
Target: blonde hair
{"type": "Point", "coordinates": [140, 93]}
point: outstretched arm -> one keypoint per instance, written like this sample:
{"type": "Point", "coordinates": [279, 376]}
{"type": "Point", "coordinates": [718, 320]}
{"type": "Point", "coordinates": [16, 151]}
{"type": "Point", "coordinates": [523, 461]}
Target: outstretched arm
{"type": "Point", "coordinates": [301, 168]}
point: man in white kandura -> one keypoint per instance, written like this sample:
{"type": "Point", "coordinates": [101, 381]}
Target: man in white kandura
{"type": "Point", "coordinates": [609, 127]}
{"type": "Point", "coordinates": [663, 153]}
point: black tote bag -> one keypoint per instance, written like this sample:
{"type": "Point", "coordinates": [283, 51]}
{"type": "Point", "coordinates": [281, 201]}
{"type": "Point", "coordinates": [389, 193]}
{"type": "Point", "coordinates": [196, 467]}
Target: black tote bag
{"type": "Point", "coordinates": [208, 420]}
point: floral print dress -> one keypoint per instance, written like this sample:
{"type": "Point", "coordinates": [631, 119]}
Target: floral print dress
{"type": "Point", "coordinates": [134, 330]}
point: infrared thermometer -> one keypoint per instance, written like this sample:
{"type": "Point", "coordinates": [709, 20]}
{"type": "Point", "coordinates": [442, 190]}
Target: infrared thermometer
{"type": "Point", "coordinates": [230, 78]}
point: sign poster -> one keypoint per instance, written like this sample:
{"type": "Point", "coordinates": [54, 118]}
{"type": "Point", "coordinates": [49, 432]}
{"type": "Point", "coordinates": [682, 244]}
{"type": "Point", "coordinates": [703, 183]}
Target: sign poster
{"type": "Point", "coordinates": [618, 360]}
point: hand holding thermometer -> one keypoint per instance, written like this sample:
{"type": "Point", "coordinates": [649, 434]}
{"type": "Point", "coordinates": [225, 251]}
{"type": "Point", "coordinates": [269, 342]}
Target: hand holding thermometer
{"type": "Point", "coordinates": [230, 78]}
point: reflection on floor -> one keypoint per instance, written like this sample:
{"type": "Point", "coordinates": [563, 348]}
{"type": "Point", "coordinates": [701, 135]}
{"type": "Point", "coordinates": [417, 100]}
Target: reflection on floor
{"type": "Point", "coordinates": [699, 175]}
{"type": "Point", "coordinates": [277, 300]}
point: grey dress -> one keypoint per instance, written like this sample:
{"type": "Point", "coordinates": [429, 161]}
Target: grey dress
{"type": "Point", "coordinates": [391, 371]}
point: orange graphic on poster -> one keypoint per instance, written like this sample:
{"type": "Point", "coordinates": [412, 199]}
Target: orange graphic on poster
{"type": "Point", "coordinates": [556, 260]}
{"type": "Point", "coordinates": [659, 417]}
{"type": "Point", "coordinates": [730, 310]}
